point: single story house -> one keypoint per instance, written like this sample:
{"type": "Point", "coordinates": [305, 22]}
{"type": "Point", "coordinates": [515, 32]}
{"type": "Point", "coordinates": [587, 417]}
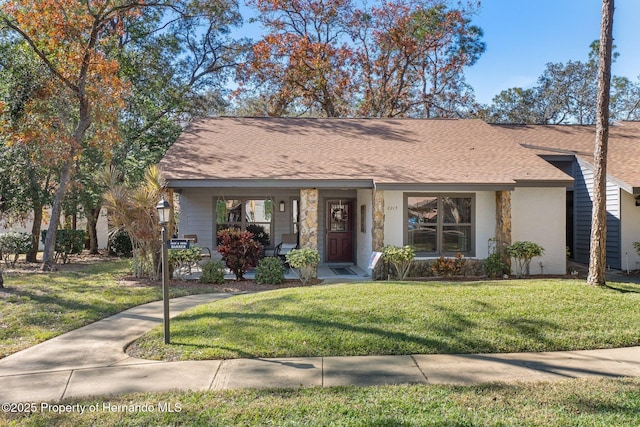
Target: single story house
{"type": "Point", "coordinates": [347, 187]}
{"type": "Point", "coordinates": [570, 148]}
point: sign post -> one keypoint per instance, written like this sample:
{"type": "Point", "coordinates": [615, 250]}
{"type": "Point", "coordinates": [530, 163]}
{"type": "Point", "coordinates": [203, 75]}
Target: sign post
{"type": "Point", "coordinates": [179, 244]}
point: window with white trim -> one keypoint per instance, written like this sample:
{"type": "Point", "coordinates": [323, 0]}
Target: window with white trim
{"type": "Point", "coordinates": [254, 215]}
{"type": "Point", "coordinates": [437, 224]}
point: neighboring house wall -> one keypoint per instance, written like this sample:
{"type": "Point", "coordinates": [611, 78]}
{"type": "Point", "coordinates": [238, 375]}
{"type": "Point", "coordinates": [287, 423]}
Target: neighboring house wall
{"type": "Point", "coordinates": [630, 227]}
{"type": "Point", "coordinates": [102, 228]}
{"type": "Point", "coordinates": [583, 202]}
{"type": "Point", "coordinates": [538, 215]}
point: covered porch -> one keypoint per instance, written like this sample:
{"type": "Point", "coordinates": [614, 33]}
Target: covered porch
{"type": "Point", "coordinates": [334, 218]}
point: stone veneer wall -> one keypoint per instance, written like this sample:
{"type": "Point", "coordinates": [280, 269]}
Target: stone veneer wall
{"type": "Point", "coordinates": [309, 218]}
{"type": "Point", "coordinates": [503, 222]}
{"type": "Point", "coordinates": [377, 225]}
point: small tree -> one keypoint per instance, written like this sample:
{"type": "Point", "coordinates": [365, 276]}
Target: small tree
{"type": "Point", "coordinates": [401, 258]}
{"type": "Point", "coordinates": [523, 252]}
{"type": "Point", "coordinates": [305, 260]}
{"type": "Point", "coordinates": [498, 262]}
{"type": "Point", "coordinates": [239, 251]}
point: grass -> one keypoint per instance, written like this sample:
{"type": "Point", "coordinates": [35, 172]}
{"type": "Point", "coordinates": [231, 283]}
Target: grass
{"type": "Point", "coordinates": [582, 402]}
{"type": "Point", "coordinates": [38, 306]}
{"type": "Point", "coordinates": [404, 318]}
{"type": "Point", "coordinates": [367, 318]}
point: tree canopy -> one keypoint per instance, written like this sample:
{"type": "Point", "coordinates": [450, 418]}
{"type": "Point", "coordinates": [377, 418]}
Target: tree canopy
{"type": "Point", "coordinates": [120, 78]}
{"type": "Point", "coordinates": [343, 58]}
{"type": "Point", "coordinates": [565, 94]}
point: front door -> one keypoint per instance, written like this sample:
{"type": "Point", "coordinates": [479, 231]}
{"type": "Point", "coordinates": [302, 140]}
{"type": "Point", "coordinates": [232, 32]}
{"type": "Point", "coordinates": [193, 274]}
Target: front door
{"type": "Point", "coordinates": [339, 231]}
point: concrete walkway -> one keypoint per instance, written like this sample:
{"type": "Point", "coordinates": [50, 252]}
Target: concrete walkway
{"type": "Point", "coordinates": [90, 361]}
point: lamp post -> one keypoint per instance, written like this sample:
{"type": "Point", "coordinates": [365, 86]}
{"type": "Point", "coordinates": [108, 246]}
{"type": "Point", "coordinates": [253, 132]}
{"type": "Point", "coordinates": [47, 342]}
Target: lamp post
{"type": "Point", "coordinates": [164, 212]}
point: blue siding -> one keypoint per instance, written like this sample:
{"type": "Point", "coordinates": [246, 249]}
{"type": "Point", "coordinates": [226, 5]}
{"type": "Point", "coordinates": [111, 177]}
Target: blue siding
{"type": "Point", "coordinates": [583, 174]}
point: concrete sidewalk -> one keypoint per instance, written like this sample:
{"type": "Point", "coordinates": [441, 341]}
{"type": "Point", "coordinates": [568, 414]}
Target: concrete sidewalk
{"type": "Point", "coordinates": [90, 361]}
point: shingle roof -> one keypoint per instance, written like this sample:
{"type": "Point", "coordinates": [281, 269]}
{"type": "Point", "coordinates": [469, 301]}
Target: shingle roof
{"type": "Point", "coordinates": [623, 158]}
{"type": "Point", "coordinates": [387, 151]}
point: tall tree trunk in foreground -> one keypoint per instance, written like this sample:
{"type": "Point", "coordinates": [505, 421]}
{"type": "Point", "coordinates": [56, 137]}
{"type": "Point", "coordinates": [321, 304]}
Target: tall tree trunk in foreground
{"type": "Point", "coordinates": [598, 250]}
{"type": "Point", "coordinates": [92, 214]}
{"type": "Point", "coordinates": [36, 227]}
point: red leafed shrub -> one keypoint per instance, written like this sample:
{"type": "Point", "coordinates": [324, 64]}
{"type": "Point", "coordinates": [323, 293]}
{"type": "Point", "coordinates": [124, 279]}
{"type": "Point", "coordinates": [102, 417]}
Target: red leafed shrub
{"type": "Point", "coordinates": [447, 267]}
{"type": "Point", "coordinates": [239, 251]}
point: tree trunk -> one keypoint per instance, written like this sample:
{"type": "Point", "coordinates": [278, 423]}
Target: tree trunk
{"type": "Point", "coordinates": [32, 255]}
{"type": "Point", "coordinates": [92, 224]}
{"type": "Point", "coordinates": [48, 255]}
{"type": "Point", "coordinates": [598, 249]}
{"type": "Point", "coordinates": [1, 280]}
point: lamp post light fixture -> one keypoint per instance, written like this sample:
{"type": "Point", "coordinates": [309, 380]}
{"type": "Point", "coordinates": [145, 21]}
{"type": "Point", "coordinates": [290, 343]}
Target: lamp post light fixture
{"type": "Point", "coordinates": [164, 212]}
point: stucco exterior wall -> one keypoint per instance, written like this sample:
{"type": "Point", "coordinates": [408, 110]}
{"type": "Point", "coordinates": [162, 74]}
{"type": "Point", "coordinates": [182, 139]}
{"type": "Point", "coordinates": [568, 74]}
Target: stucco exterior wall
{"type": "Point", "coordinates": [538, 215]}
{"type": "Point", "coordinates": [364, 239]}
{"type": "Point", "coordinates": [394, 218]}
{"type": "Point", "coordinates": [630, 231]}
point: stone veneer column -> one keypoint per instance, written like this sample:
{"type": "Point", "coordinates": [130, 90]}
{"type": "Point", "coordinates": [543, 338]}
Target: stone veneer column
{"type": "Point", "coordinates": [377, 224]}
{"type": "Point", "coordinates": [503, 222]}
{"type": "Point", "coordinates": [309, 218]}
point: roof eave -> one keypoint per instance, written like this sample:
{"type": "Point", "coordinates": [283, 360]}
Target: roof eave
{"type": "Point", "coordinates": [269, 183]}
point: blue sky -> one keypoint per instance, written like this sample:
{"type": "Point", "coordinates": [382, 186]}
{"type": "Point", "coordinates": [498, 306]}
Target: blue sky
{"type": "Point", "coordinates": [522, 36]}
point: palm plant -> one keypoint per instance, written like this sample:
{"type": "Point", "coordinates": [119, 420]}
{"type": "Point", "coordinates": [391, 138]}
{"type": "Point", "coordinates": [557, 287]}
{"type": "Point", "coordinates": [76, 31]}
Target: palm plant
{"type": "Point", "coordinates": [132, 209]}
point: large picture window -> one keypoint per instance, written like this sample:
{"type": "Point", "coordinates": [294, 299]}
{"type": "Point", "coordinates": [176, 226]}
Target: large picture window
{"type": "Point", "coordinates": [440, 224]}
{"type": "Point", "coordinates": [254, 215]}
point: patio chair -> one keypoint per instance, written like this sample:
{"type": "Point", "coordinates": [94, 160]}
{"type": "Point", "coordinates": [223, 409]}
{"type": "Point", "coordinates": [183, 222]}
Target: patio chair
{"type": "Point", "coordinates": [288, 243]}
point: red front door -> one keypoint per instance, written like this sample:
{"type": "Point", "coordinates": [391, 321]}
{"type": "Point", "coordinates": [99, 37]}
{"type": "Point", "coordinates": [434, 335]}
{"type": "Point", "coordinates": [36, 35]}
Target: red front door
{"type": "Point", "coordinates": [339, 231]}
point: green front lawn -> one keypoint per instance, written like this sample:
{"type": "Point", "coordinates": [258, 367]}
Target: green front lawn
{"type": "Point", "coordinates": [404, 318]}
{"type": "Point", "coordinates": [38, 306]}
{"type": "Point", "coordinates": [584, 402]}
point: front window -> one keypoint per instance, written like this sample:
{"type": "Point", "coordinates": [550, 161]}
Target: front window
{"type": "Point", "coordinates": [440, 225]}
{"type": "Point", "coordinates": [254, 215]}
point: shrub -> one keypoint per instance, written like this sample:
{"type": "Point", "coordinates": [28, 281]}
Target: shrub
{"type": "Point", "coordinates": [270, 271]}
{"type": "Point", "coordinates": [494, 265]}
{"type": "Point", "coordinates": [523, 252]}
{"type": "Point", "coordinates": [12, 244]}
{"type": "Point", "coordinates": [305, 260]}
{"type": "Point", "coordinates": [239, 251]}
{"type": "Point", "coordinates": [183, 257]}
{"type": "Point", "coordinates": [68, 242]}
{"type": "Point", "coordinates": [400, 258]}
{"type": "Point", "coordinates": [447, 267]}
{"type": "Point", "coordinates": [213, 272]}
{"type": "Point", "coordinates": [636, 246]}
{"type": "Point", "coordinates": [259, 234]}
{"type": "Point", "coordinates": [120, 244]}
